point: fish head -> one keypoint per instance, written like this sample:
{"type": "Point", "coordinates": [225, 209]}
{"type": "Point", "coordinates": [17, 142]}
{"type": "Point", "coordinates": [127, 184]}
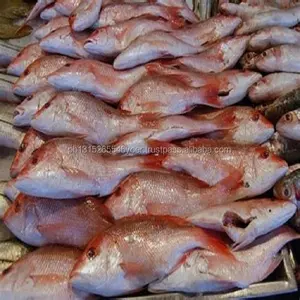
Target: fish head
{"type": "Point", "coordinates": [268, 58]}
{"type": "Point", "coordinates": [287, 122]}
{"type": "Point", "coordinates": [258, 88]}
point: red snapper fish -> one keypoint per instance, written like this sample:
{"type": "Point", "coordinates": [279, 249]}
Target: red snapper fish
{"type": "Point", "coordinates": [51, 26]}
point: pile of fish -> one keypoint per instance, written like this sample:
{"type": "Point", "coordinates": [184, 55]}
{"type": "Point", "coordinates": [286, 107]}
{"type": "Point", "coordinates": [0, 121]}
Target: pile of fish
{"type": "Point", "coordinates": [148, 145]}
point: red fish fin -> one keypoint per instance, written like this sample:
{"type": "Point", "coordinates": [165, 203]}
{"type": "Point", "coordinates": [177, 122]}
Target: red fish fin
{"type": "Point", "coordinates": [232, 182]}
{"type": "Point", "coordinates": [132, 269]}
{"type": "Point", "coordinates": [160, 208]}
{"type": "Point", "coordinates": [153, 162]}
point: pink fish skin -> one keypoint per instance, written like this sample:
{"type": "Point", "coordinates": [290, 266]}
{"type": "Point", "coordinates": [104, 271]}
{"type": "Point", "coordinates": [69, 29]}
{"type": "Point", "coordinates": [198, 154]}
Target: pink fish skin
{"type": "Point", "coordinates": [165, 95]}
{"type": "Point", "coordinates": [221, 56]}
{"type": "Point", "coordinates": [152, 46]}
{"type": "Point", "coordinates": [24, 59]}
{"type": "Point", "coordinates": [112, 40]}
{"type": "Point", "coordinates": [72, 222]}
{"type": "Point", "coordinates": [37, 9]}
{"type": "Point", "coordinates": [51, 26]}
{"type": "Point", "coordinates": [116, 13]}
{"type": "Point", "coordinates": [50, 12]}
{"type": "Point", "coordinates": [124, 245]}
{"type": "Point", "coordinates": [273, 36]}
{"type": "Point", "coordinates": [259, 216]}
{"type": "Point", "coordinates": [162, 194]}
{"type": "Point", "coordinates": [25, 111]}
{"type": "Point", "coordinates": [31, 141]}
{"type": "Point", "coordinates": [205, 271]}
{"type": "Point", "coordinates": [42, 274]}
{"type": "Point", "coordinates": [66, 7]}
{"type": "Point", "coordinates": [85, 15]}
{"type": "Point", "coordinates": [52, 172]}
{"type": "Point", "coordinates": [7, 89]}
{"type": "Point", "coordinates": [97, 78]}
{"type": "Point", "coordinates": [10, 190]}
{"type": "Point", "coordinates": [289, 125]}
{"type": "Point", "coordinates": [35, 76]}
{"type": "Point", "coordinates": [284, 18]}
{"type": "Point", "coordinates": [63, 116]}
{"type": "Point", "coordinates": [273, 86]}
{"type": "Point", "coordinates": [282, 58]}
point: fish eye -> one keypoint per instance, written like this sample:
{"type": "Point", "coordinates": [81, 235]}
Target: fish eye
{"type": "Point", "coordinates": [264, 54]}
{"type": "Point", "coordinates": [91, 253]}
{"type": "Point", "coordinates": [265, 154]}
{"type": "Point", "coordinates": [287, 192]}
{"type": "Point", "coordinates": [255, 116]}
{"type": "Point", "coordinates": [246, 184]}
{"type": "Point", "coordinates": [270, 210]}
{"type": "Point", "coordinates": [22, 147]}
{"type": "Point", "coordinates": [288, 117]}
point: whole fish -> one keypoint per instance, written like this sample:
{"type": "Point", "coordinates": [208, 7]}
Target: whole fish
{"type": "Point", "coordinates": [63, 116]}
{"type": "Point", "coordinates": [112, 40]}
{"type": "Point", "coordinates": [284, 18]}
{"type": "Point", "coordinates": [24, 59]}
{"type": "Point", "coordinates": [221, 56]}
{"type": "Point", "coordinates": [10, 136]}
{"type": "Point", "coordinates": [288, 125]}
{"type": "Point", "coordinates": [7, 112]}
{"type": "Point", "coordinates": [161, 194]}
{"type": "Point", "coordinates": [282, 58]}
{"type": "Point", "coordinates": [243, 10]}
{"type": "Point", "coordinates": [13, 250]}
{"type": "Point", "coordinates": [165, 95]}
{"type": "Point", "coordinates": [6, 89]}
{"type": "Point", "coordinates": [5, 234]}
{"type": "Point", "coordinates": [152, 46]}
{"type": "Point", "coordinates": [4, 202]}
{"type": "Point", "coordinates": [248, 61]}
{"type": "Point", "coordinates": [10, 191]}
{"type": "Point", "coordinates": [242, 125]}
{"type": "Point", "coordinates": [52, 172]}
{"type": "Point", "coordinates": [273, 36]}
{"type": "Point", "coordinates": [25, 111]}
{"type": "Point", "coordinates": [7, 52]}
{"type": "Point", "coordinates": [42, 221]}
{"type": "Point", "coordinates": [66, 7]}
{"type": "Point", "coordinates": [38, 8]}
{"type": "Point", "coordinates": [122, 267]}
{"type": "Point", "coordinates": [204, 271]}
{"type": "Point", "coordinates": [285, 148]}
{"type": "Point", "coordinates": [97, 78]}
{"type": "Point", "coordinates": [116, 13]}
{"type": "Point", "coordinates": [51, 26]}
{"type": "Point", "coordinates": [274, 85]}
{"type": "Point", "coordinates": [282, 105]}
{"type": "Point", "coordinates": [32, 140]}
{"type": "Point", "coordinates": [244, 221]}
{"type": "Point", "coordinates": [35, 76]}
{"type": "Point", "coordinates": [43, 273]}
{"type": "Point", "coordinates": [50, 12]}
{"type": "Point", "coordinates": [85, 15]}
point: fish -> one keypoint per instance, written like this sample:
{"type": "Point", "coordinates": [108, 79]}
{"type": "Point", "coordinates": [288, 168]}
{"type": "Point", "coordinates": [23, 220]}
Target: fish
{"type": "Point", "coordinates": [52, 172]}
{"type": "Point", "coordinates": [151, 46]}
{"type": "Point", "coordinates": [10, 136]}
{"type": "Point", "coordinates": [41, 221]}
{"type": "Point", "coordinates": [242, 125]}
{"type": "Point", "coordinates": [10, 191]}
{"type": "Point", "coordinates": [4, 265]}
{"type": "Point", "coordinates": [6, 89]}
{"type": "Point", "coordinates": [161, 194]}
{"type": "Point", "coordinates": [243, 10]}
{"type": "Point", "coordinates": [245, 221]}
{"type": "Point", "coordinates": [282, 58]}
{"type": "Point", "coordinates": [97, 78]}
{"type": "Point", "coordinates": [51, 26]}
{"type": "Point", "coordinates": [273, 36]}
{"type": "Point", "coordinates": [273, 86]}
{"type": "Point", "coordinates": [287, 188]}
{"type": "Point", "coordinates": [38, 8]}
{"type": "Point", "coordinates": [24, 112]}
{"type": "Point", "coordinates": [31, 141]}
{"type": "Point", "coordinates": [66, 7]}
{"type": "Point", "coordinates": [288, 125]}
{"type": "Point", "coordinates": [7, 52]}
{"type": "Point", "coordinates": [212, 161]}
{"type": "Point", "coordinates": [4, 201]}
{"type": "Point", "coordinates": [24, 59]}
{"type": "Point", "coordinates": [119, 253]}
{"type": "Point", "coordinates": [65, 42]}
{"type": "Point", "coordinates": [110, 41]}
{"type": "Point", "coordinates": [50, 12]}
{"type": "Point", "coordinates": [7, 112]}
{"type": "Point", "coordinates": [165, 95]}
{"type": "Point", "coordinates": [283, 18]}
{"type": "Point", "coordinates": [292, 168]}
{"type": "Point", "coordinates": [5, 234]}
{"type": "Point", "coordinates": [85, 15]}
{"type": "Point", "coordinates": [285, 148]}
{"type": "Point", "coordinates": [116, 13]}
{"type": "Point", "coordinates": [248, 61]}
{"type": "Point", "coordinates": [221, 56]}
{"type": "Point", "coordinates": [275, 110]}
{"type": "Point", "coordinates": [42, 273]}
{"type": "Point", "coordinates": [13, 250]}
{"type": "Point", "coordinates": [63, 116]}
{"type": "Point", "coordinates": [35, 76]}
{"type": "Point", "coordinates": [205, 271]}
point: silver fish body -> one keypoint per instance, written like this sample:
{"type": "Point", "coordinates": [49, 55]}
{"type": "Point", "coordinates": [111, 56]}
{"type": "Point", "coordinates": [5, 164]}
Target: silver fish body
{"type": "Point", "coordinates": [6, 89]}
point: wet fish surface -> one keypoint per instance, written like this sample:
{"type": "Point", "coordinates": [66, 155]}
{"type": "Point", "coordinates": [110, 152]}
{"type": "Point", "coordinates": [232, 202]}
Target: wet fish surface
{"type": "Point", "coordinates": [288, 125]}
{"type": "Point", "coordinates": [51, 26]}
{"type": "Point", "coordinates": [10, 136]}
{"type": "Point", "coordinates": [6, 89]}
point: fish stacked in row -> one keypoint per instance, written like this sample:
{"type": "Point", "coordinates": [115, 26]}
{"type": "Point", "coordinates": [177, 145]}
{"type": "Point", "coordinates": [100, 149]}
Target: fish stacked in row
{"type": "Point", "coordinates": [108, 114]}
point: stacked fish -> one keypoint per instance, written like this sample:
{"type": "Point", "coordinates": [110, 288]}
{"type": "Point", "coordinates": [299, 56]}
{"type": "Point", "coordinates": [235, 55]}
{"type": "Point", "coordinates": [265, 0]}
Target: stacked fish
{"type": "Point", "coordinates": [136, 102]}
